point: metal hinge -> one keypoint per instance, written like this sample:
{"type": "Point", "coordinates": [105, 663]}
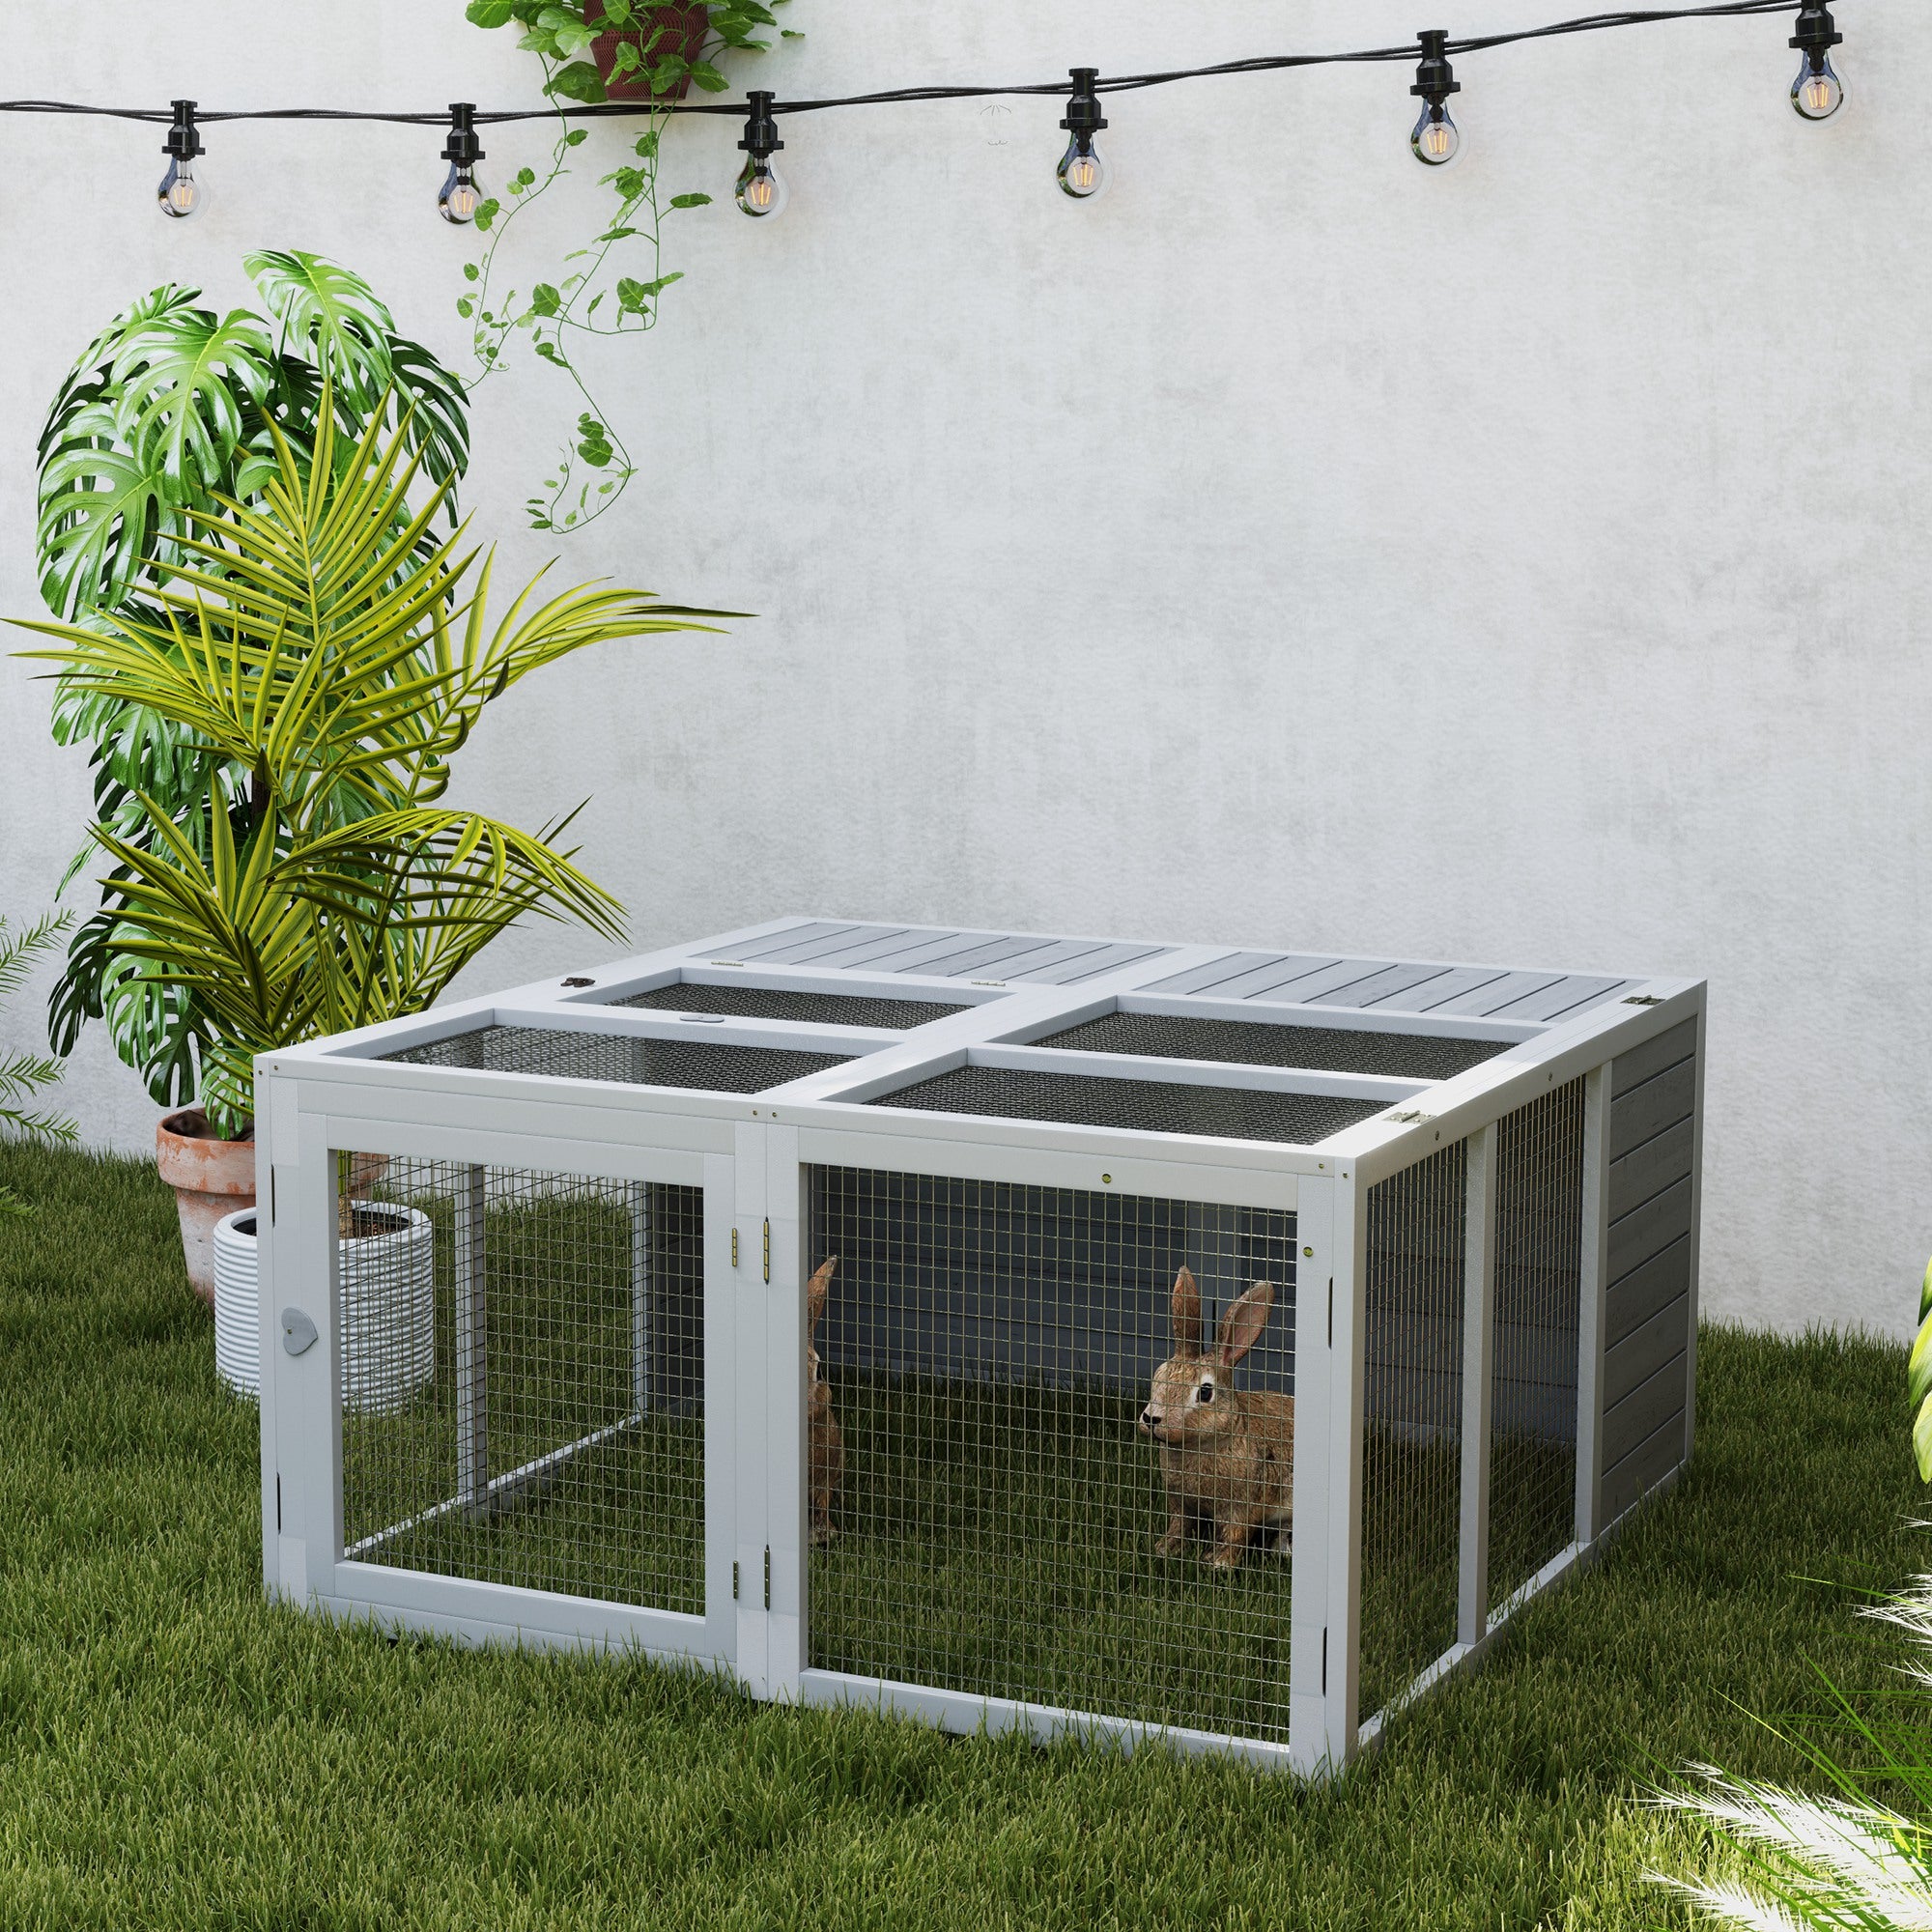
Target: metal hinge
{"type": "Point", "coordinates": [1643, 1000]}
{"type": "Point", "coordinates": [734, 1247]}
{"type": "Point", "coordinates": [1324, 1659]}
{"type": "Point", "coordinates": [1331, 1310]}
{"type": "Point", "coordinates": [734, 1582]}
{"type": "Point", "coordinates": [1412, 1116]}
{"type": "Point", "coordinates": [272, 1195]}
{"type": "Point", "coordinates": [768, 1576]}
{"type": "Point", "coordinates": [278, 1503]}
{"type": "Point", "coordinates": [768, 1250]}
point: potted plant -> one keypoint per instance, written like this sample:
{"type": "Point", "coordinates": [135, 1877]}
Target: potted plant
{"type": "Point", "coordinates": [646, 53]}
{"type": "Point", "coordinates": [318, 654]}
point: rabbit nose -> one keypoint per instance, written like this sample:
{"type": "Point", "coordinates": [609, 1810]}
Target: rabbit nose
{"type": "Point", "coordinates": [1149, 1421]}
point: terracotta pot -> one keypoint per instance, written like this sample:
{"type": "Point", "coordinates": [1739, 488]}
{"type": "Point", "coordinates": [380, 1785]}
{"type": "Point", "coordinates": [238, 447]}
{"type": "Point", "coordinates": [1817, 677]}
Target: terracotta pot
{"type": "Point", "coordinates": [211, 1178]}
{"type": "Point", "coordinates": [679, 30]}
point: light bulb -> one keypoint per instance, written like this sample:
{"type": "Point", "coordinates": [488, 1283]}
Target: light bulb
{"type": "Point", "coordinates": [761, 188]}
{"type": "Point", "coordinates": [1083, 174]}
{"type": "Point", "coordinates": [1435, 140]}
{"type": "Point", "coordinates": [461, 196]}
{"type": "Point", "coordinates": [181, 196]}
{"type": "Point", "coordinates": [1817, 93]}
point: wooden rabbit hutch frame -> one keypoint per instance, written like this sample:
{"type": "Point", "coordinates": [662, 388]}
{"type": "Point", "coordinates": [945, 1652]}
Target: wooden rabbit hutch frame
{"type": "Point", "coordinates": [1473, 1193]}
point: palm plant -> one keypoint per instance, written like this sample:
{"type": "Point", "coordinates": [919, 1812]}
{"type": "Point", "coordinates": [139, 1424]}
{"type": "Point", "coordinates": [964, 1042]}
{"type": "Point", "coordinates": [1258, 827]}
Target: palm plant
{"type": "Point", "coordinates": [23, 1075]}
{"type": "Point", "coordinates": [170, 409]}
{"type": "Point", "coordinates": [325, 651]}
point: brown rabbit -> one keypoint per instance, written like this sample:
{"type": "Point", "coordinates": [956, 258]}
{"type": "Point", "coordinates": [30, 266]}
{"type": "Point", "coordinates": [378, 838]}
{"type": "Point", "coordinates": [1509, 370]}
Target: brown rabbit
{"type": "Point", "coordinates": [827, 1448]}
{"type": "Point", "coordinates": [1227, 1455]}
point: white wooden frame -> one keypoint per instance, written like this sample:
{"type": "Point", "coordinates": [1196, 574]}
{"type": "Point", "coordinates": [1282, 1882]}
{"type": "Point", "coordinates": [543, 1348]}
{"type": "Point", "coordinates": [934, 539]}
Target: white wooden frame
{"type": "Point", "coordinates": [751, 1155]}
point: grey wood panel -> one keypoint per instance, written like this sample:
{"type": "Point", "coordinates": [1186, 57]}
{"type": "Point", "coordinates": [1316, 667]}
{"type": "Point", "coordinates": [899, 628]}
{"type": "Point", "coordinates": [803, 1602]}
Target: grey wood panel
{"type": "Point", "coordinates": [1073, 970]}
{"type": "Point", "coordinates": [1649, 1169]}
{"type": "Point", "coordinates": [775, 944]}
{"type": "Point", "coordinates": [1569, 994]}
{"type": "Point", "coordinates": [926, 954]}
{"type": "Point", "coordinates": [1652, 1403]}
{"type": "Point", "coordinates": [1632, 1068]}
{"type": "Point", "coordinates": [1335, 979]}
{"type": "Point", "coordinates": [1386, 985]}
{"type": "Point", "coordinates": [1198, 979]}
{"type": "Point", "coordinates": [867, 943]}
{"type": "Point", "coordinates": [1650, 1228]}
{"type": "Point", "coordinates": [1279, 971]}
{"type": "Point", "coordinates": [1643, 1469]}
{"type": "Point", "coordinates": [1645, 1288]}
{"type": "Point", "coordinates": [1495, 994]}
{"type": "Point", "coordinates": [1452, 985]}
{"type": "Point", "coordinates": [966, 954]}
{"type": "Point", "coordinates": [1646, 1349]}
{"type": "Point", "coordinates": [1020, 959]}
{"type": "Point", "coordinates": [1645, 1111]}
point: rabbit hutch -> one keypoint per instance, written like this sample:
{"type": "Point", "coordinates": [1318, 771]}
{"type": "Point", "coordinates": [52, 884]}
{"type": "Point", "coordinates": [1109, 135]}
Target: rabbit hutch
{"type": "Point", "coordinates": [1126, 1340]}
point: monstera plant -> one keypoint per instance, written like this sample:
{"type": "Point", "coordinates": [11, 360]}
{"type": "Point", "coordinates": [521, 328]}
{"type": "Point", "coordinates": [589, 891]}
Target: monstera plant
{"type": "Point", "coordinates": [172, 410]}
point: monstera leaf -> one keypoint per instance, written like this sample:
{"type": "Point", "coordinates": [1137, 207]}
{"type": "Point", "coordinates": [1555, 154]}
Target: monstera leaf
{"type": "Point", "coordinates": [331, 317]}
{"type": "Point", "coordinates": [102, 509]}
{"type": "Point", "coordinates": [183, 384]}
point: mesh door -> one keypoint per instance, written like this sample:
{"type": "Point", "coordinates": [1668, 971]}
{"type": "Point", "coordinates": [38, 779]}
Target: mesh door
{"type": "Point", "coordinates": [523, 1378]}
{"type": "Point", "coordinates": [1262, 1044]}
{"type": "Point", "coordinates": [997, 1526]}
{"type": "Point", "coordinates": [1533, 1376]}
{"type": "Point", "coordinates": [562, 1053]}
{"type": "Point", "coordinates": [1412, 1446]}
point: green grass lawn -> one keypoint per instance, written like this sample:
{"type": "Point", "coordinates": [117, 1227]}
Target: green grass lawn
{"type": "Point", "coordinates": [175, 1752]}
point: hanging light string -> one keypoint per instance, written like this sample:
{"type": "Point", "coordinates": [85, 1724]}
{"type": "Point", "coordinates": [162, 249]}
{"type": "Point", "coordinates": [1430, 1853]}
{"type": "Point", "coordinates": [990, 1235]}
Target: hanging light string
{"type": "Point", "coordinates": [1817, 94]}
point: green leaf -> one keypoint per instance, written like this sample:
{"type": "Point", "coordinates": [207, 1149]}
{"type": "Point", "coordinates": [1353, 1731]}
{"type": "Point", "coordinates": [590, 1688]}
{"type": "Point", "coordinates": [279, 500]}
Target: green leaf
{"type": "Point", "coordinates": [488, 13]}
{"type": "Point", "coordinates": [579, 81]}
{"type": "Point", "coordinates": [689, 200]}
{"type": "Point", "coordinates": [616, 235]}
{"type": "Point", "coordinates": [1926, 1293]}
{"type": "Point", "coordinates": [470, 272]}
{"type": "Point", "coordinates": [576, 137]}
{"type": "Point", "coordinates": [1921, 1441]}
{"type": "Point", "coordinates": [1919, 1367]}
{"type": "Point", "coordinates": [330, 315]}
{"type": "Point", "coordinates": [708, 77]}
{"type": "Point", "coordinates": [487, 212]}
{"type": "Point", "coordinates": [545, 299]}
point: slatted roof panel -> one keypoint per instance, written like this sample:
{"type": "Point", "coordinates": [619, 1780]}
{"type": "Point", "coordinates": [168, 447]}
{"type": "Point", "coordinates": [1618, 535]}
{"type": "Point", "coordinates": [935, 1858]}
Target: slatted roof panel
{"type": "Point", "coordinates": [1264, 979]}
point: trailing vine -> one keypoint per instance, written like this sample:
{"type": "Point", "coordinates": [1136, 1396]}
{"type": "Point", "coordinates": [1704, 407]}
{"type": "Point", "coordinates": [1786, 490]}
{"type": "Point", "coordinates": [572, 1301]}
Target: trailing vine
{"type": "Point", "coordinates": [599, 291]}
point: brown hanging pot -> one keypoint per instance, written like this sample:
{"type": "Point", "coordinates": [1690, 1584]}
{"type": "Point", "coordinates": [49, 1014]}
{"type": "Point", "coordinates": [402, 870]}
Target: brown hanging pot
{"type": "Point", "coordinates": [677, 29]}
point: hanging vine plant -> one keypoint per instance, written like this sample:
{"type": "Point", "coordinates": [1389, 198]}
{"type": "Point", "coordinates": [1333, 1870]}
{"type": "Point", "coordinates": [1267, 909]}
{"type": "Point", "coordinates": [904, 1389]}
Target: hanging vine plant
{"type": "Point", "coordinates": [603, 50]}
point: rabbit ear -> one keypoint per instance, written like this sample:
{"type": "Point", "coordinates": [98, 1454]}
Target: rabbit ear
{"type": "Point", "coordinates": [1186, 1315]}
{"type": "Point", "coordinates": [817, 1290]}
{"type": "Point", "coordinates": [1242, 1324]}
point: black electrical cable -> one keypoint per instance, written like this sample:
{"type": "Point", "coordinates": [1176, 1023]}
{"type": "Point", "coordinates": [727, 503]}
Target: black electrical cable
{"type": "Point", "coordinates": [1589, 23]}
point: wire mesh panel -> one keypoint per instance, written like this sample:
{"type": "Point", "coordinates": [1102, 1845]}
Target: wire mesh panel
{"type": "Point", "coordinates": [1412, 1422]}
{"type": "Point", "coordinates": [564, 1054]}
{"type": "Point", "coordinates": [1258, 1043]}
{"type": "Point", "coordinates": [1533, 1376]}
{"type": "Point", "coordinates": [804, 1006]}
{"type": "Point", "coordinates": [524, 1366]}
{"type": "Point", "coordinates": [1023, 1501]}
{"type": "Point", "coordinates": [1145, 1106]}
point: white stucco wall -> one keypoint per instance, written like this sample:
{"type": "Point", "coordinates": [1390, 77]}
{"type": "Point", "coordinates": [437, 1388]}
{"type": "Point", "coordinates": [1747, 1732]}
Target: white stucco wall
{"type": "Point", "coordinates": [1298, 548]}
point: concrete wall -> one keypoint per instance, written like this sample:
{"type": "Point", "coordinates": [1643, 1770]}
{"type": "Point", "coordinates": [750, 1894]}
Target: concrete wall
{"type": "Point", "coordinates": [1298, 548]}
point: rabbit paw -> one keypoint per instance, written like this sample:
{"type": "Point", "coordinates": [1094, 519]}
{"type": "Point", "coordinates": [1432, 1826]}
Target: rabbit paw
{"type": "Point", "coordinates": [1174, 1543]}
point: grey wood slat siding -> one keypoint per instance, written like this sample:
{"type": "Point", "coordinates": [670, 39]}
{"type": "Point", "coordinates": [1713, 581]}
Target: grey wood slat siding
{"type": "Point", "coordinates": [1313, 988]}
{"type": "Point", "coordinates": [1496, 993]}
{"type": "Point", "coordinates": [1280, 971]}
{"type": "Point", "coordinates": [1385, 985]}
{"type": "Point", "coordinates": [1632, 1068]}
{"type": "Point", "coordinates": [1073, 970]}
{"type": "Point", "coordinates": [1021, 960]}
{"type": "Point", "coordinates": [1453, 984]}
{"type": "Point", "coordinates": [1632, 1479]}
{"type": "Point", "coordinates": [1651, 1228]}
{"type": "Point", "coordinates": [960, 955]}
{"type": "Point", "coordinates": [1646, 1349]}
{"type": "Point", "coordinates": [1635, 1419]}
{"type": "Point", "coordinates": [1647, 1288]}
{"type": "Point", "coordinates": [1198, 979]}
{"type": "Point", "coordinates": [1573, 990]}
{"type": "Point", "coordinates": [1645, 1111]}
{"type": "Point", "coordinates": [780, 945]}
{"type": "Point", "coordinates": [1648, 1169]}
{"type": "Point", "coordinates": [880, 942]}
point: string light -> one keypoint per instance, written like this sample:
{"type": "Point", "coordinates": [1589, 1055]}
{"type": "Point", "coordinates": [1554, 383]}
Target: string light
{"type": "Point", "coordinates": [761, 188]}
{"type": "Point", "coordinates": [180, 195]}
{"type": "Point", "coordinates": [1083, 174]}
{"type": "Point", "coordinates": [1817, 93]}
{"type": "Point", "coordinates": [1435, 140]}
{"type": "Point", "coordinates": [461, 196]}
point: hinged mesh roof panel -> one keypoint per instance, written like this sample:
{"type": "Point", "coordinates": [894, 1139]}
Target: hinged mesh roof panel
{"type": "Point", "coordinates": [798, 1003]}
{"type": "Point", "coordinates": [1257, 1044]}
{"type": "Point", "coordinates": [707, 1066]}
{"type": "Point", "coordinates": [1142, 1106]}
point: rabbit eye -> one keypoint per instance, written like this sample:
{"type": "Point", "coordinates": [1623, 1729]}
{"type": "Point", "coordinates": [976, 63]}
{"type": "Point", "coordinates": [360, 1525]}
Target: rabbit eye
{"type": "Point", "coordinates": [1205, 1393]}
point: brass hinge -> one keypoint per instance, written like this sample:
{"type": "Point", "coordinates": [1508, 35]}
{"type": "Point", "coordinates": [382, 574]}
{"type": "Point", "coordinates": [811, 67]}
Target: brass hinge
{"type": "Point", "coordinates": [768, 1250]}
{"type": "Point", "coordinates": [734, 1247]}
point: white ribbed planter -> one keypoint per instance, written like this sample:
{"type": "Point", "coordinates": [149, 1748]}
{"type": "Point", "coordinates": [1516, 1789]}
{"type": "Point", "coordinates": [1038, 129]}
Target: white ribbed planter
{"type": "Point", "coordinates": [388, 1307]}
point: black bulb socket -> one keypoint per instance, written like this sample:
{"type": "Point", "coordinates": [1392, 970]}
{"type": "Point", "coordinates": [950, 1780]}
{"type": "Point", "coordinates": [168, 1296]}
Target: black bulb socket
{"type": "Point", "coordinates": [463, 149]}
{"type": "Point", "coordinates": [184, 140]}
{"type": "Point", "coordinates": [1084, 119]}
{"type": "Point", "coordinates": [1435, 78]}
{"type": "Point", "coordinates": [761, 131]}
{"type": "Point", "coordinates": [1817, 33]}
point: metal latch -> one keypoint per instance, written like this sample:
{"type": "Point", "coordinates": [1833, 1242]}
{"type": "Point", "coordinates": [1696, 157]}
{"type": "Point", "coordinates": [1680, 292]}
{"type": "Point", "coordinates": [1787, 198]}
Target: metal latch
{"type": "Point", "coordinates": [298, 1331]}
{"type": "Point", "coordinates": [1412, 1116]}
